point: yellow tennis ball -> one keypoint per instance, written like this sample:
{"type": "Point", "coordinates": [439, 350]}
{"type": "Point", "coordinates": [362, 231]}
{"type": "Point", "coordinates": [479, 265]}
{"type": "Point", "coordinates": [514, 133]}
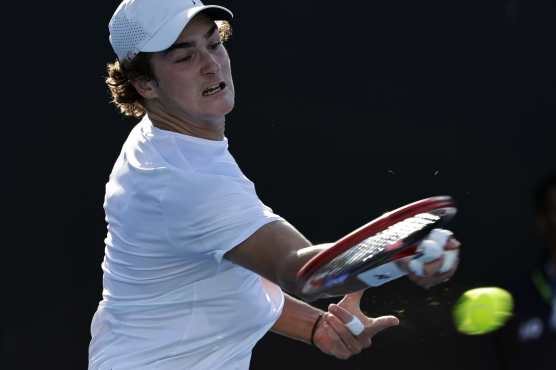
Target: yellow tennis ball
{"type": "Point", "coordinates": [482, 310]}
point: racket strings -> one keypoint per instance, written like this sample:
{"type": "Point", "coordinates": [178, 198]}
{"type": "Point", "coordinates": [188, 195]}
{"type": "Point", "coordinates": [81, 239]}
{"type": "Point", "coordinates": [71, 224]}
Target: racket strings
{"type": "Point", "coordinates": [377, 243]}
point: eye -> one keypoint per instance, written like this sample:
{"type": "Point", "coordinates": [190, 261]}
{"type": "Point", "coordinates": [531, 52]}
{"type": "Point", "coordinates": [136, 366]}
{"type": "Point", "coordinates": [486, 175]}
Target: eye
{"type": "Point", "coordinates": [184, 59]}
{"type": "Point", "coordinates": [215, 45]}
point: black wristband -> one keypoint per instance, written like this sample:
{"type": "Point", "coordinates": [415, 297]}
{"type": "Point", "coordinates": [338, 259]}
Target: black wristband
{"type": "Point", "coordinates": [315, 327]}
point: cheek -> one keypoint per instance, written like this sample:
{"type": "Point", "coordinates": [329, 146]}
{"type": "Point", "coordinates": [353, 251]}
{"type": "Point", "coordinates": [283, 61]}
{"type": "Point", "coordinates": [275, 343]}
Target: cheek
{"type": "Point", "coordinates": [180, 89]}
{"type": "Point", "coordinates": [172, 78]}
{"type": "Point", "coordinates": [224, 61]}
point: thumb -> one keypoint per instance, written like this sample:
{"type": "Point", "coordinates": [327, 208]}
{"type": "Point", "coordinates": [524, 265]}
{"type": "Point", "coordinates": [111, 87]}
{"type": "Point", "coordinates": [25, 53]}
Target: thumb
{"type": "Point", "coordinates": [380, 323]}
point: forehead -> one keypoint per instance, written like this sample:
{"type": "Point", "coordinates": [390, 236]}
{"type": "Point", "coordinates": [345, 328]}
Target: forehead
{"type": "Point", "coordinates": [196, 28]}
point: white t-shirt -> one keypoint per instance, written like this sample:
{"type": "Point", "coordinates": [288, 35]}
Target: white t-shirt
{"type": "Point", "coordinates": [174, 205]}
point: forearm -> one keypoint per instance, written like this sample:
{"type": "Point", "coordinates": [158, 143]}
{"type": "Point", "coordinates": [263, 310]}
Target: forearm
{"type": "Point", "coordinates": [292, 266]}
{"type": "Point", "coordinates": [301, 257]}
{"type": "Point", "coordinates": [297, 319]}
{"type": "Point", "coordinates": [287, 276]}
{"type": "Point", "coordinates": [276, 252]}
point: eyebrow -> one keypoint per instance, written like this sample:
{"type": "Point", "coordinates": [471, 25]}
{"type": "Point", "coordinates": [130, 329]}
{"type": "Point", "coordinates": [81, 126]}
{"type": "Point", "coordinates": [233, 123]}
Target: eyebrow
{"type": "Point", "coordinates": [185, 45]}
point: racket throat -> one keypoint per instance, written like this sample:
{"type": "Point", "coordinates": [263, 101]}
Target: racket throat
{"type": "Point", "coordinates": [381, 275]}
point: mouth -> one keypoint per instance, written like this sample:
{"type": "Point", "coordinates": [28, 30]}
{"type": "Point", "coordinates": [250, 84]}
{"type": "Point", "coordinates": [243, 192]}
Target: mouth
{"type": "Point", "coordinates": [214, 89]}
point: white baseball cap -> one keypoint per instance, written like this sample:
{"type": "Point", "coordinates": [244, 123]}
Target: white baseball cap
{"type": "Point", "coordinates": [154, 25]}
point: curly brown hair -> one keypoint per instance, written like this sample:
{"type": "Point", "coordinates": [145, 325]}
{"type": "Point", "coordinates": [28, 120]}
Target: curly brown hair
{"type": "Point", "coordinates": [120, 74]}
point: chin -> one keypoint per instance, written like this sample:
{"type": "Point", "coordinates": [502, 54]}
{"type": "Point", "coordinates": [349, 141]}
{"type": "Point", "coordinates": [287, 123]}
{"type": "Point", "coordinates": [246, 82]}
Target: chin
{"type": "Point", "coordinates": [223, 107]}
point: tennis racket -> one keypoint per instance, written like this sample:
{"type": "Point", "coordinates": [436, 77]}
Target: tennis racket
{"type": "Point", "coordinates": [365, 256]}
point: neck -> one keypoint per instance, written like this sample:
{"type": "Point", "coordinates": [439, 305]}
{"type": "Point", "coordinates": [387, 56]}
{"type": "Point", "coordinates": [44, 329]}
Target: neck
{"type": "Point", "coordinates": [164, 120]}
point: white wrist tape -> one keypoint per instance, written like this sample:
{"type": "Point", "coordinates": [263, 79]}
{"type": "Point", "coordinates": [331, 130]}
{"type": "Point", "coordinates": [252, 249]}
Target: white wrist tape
{"type": "Point", "coordinates": [440, 236]}
{"type": "Point", "coordinates": [450, 258]}
{"type": "Point", "coordinates": [355, 326]}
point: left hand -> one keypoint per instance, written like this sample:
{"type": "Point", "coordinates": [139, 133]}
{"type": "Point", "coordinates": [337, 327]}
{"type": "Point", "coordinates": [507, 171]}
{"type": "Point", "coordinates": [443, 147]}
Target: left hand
{"type": "Point", "coordinates": [431, 270]}
{"type": "Point", "coordinates": [333, 337]}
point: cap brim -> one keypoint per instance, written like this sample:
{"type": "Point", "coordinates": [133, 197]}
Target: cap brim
{"type": "Point", "coordinates": [169, 32]}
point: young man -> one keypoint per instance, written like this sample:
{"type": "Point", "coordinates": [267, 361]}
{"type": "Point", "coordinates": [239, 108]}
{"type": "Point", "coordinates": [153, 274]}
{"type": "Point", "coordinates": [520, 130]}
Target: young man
{"type": "Point", "coordinates": [194, 261]}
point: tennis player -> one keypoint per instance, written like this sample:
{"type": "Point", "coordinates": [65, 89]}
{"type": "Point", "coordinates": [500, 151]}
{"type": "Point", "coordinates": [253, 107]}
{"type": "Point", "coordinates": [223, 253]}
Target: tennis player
{"type": "Point", "coordinates": [195, 265]}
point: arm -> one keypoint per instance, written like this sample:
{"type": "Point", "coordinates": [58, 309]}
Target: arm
{"type": "Point", "coordinates": [276, 251]}
{"type": "Point", "coordinates": [331, 336]}
{"type": "Point", "coordinates": [297, 319]}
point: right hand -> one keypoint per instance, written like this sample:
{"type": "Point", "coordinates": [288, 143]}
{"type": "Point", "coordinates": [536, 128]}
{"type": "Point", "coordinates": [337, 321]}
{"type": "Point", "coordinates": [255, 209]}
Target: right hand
{"type": "Point", "coordinates": [432, 272]}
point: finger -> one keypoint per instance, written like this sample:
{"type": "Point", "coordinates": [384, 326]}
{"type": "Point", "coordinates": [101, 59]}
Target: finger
{"type": "Point", "coordinates": [425, 282]}
{"type": "Point", "coordinates": [336, 347]}
{"type": "Point", "coordinates": [349, 319]}
{"type": "Point", "coordinates": [452, 244]}
{"type": "Point", "coordinates": [347, 338]}
{"type": "Point", "coordinates": [381, 323]}
{"type": "Point", "coordinates": [431, 249]}
{"type": "Point", "coordinates": [430, 281]}
{"type": "Point", "coordinates": [440, 236]}
{"type": "Point", "coordinates": [448, 274]}
{"type": "Point", "coordinates": [344, 315]}
{"type": "Point", "coordinates": [450, 259]}
{"type": "Point", "coordinates": [352, 299]}
{"type": "Point", "coordinates": [367, 341]}
{"type": "Point", "coordinates": [432, 267]}
{"type": "Point", "coordinates": [431, 270]}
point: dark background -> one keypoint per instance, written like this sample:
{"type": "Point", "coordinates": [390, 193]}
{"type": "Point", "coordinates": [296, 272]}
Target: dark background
{"type": "Point", "coordinates": [344, 110]}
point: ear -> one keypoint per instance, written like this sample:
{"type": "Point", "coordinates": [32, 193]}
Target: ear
{"type": "Point", "coordinates": [146, 88]}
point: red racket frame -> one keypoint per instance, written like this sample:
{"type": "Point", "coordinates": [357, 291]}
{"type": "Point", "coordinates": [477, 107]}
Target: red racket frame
{"type": "Point", "coordinates": [371, 228]}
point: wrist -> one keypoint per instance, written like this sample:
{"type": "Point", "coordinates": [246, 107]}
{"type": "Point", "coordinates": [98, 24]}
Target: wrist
{"type": "Point", "coordinates": [315, 325]}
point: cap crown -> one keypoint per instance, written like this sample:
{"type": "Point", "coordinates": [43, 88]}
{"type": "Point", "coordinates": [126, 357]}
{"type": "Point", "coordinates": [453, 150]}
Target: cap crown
{"type": "Point", "coordinates": [135, 22]}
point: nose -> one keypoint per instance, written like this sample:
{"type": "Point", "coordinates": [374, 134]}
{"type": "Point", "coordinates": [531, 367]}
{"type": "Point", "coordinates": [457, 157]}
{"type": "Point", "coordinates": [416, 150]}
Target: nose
{"type": "Point", "coordinates": [209, 64]}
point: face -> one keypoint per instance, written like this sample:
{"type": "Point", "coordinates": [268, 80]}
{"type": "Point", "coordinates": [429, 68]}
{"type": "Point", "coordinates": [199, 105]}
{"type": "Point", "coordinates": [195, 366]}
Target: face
{"type": "Point", "coordinates": [193, 77]}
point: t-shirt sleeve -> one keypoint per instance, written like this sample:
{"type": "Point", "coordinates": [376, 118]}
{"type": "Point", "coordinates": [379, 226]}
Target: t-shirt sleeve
{"type": "Point", "coordinates": [210, 214]}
